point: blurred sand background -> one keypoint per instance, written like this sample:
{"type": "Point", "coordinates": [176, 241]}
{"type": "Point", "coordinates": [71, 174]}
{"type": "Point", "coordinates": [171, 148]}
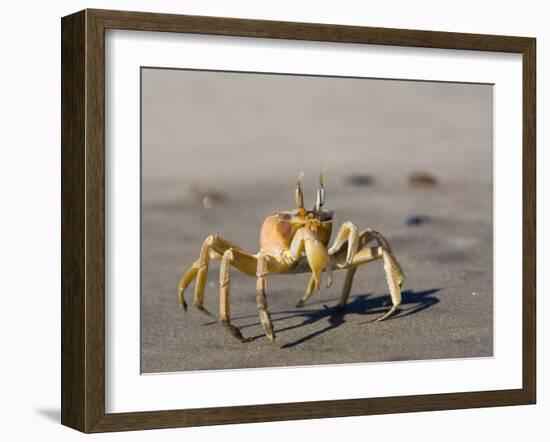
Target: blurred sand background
{"type": "Point", "coordinates": [221, 151]}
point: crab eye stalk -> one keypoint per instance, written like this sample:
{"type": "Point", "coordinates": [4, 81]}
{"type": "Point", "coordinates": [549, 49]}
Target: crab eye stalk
{"type": "Point", "coordinates": [299, 194]}
{"type": "Point", "coordinates": [321, 194]}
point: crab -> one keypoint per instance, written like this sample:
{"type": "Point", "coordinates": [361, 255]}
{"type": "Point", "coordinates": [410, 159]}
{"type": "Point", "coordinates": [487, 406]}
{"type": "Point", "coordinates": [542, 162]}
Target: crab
{"type": "Point", "coordinates": [292, 242]}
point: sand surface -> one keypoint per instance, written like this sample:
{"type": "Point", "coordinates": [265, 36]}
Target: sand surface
{"type": "Point", "coordinates": [447, 298]}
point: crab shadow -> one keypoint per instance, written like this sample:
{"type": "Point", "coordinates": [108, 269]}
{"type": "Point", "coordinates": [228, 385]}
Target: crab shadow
{"type": "Point", "coordinates": [411, 303]}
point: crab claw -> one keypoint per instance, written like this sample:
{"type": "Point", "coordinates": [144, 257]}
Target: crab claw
{"type": "Point", "coordinates": [319, 260]}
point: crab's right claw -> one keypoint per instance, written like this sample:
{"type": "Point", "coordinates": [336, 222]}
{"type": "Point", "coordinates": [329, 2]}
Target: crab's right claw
{"type": "Point", "coordinates": [318, 259]}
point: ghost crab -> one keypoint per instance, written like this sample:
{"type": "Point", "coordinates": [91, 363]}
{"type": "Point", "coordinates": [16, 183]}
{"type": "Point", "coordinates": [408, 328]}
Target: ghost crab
{"type": "Point", "coordinates": [293, 242]}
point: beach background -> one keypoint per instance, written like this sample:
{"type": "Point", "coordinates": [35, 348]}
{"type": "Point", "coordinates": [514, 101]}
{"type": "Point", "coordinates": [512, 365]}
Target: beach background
{"type": "Point", "coordinates": [221, 151]}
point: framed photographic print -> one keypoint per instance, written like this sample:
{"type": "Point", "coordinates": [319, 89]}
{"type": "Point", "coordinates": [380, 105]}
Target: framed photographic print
{"type": "Point", "coordinates": [271, 220]}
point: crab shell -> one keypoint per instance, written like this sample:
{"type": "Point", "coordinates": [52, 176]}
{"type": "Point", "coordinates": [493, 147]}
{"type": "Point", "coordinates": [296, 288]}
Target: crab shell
{"type": "Point", "coordinates": [278, 229]}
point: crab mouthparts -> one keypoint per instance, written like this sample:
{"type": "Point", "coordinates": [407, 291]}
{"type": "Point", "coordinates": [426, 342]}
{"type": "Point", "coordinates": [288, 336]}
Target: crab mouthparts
{"type": "Point", "coordinates": [323, 215]}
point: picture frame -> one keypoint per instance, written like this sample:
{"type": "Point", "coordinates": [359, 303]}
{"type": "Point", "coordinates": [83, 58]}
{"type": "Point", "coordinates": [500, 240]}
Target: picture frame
{"type": "Point", "coordinates": [84, 191]}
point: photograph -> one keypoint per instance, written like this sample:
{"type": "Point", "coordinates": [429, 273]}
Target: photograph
{"type": "Point", "coordinates": [292, 220]}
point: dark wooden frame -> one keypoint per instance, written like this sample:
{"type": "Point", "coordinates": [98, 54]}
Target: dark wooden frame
{"type": "Point", "coordinates": [83, 216]}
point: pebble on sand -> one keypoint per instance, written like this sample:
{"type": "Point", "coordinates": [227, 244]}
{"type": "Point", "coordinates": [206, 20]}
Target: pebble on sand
{"type": "Point", "coordinates": [422, 179]}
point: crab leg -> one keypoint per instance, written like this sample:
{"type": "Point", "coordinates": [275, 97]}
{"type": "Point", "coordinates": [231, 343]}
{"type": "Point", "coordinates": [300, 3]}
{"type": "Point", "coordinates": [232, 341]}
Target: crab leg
{"type": "Point", "coordinates": [366, 255]}
{"type": "Point", "coordinates": [388, 255]}
{"type": "Point", "coordinates": [225, 295]}
{"type": "Point", "coordinates": [213, 247]}
{"type": "Point", "coordinates": [261, 299]}
{"type": "Point", "coordinates": [347, 287]}
{"type": "Point", "coordinates": [348, 233]}
{"type": "Point", "coordinates": [394, 274]}
{"type": "Point", "coordinates": [185, 280]}
{"type": "Point", "coordinates": [200, 282]}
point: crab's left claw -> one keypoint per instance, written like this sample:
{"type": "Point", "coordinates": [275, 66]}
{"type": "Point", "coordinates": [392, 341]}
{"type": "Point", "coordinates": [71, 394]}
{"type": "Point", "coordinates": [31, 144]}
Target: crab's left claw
{"type": "Point", "coordinates": [319, 260]}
